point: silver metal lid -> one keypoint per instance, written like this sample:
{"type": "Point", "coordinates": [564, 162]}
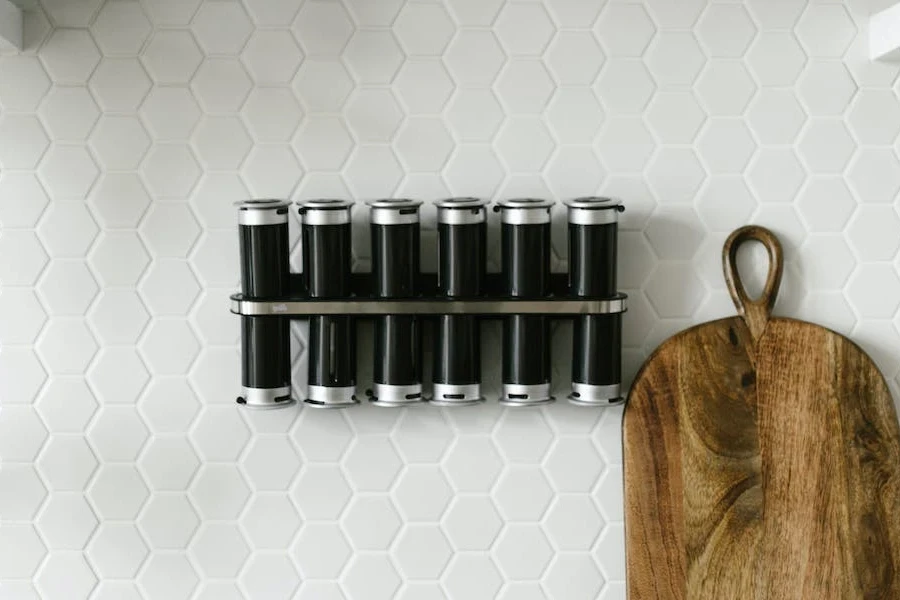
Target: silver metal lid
{"type": "Point", "coordinates": [262, 212]}
{"type": "Point", "coordinates": [594, 210]}
{"type": "Point", "coordinates": [525, 203]}
{"type": "Point", "coordinates": [462, 211]}
{"type": "Point", "coordinates": [394, 211]}
{"type": "Point", "coordinates": [325, 211]}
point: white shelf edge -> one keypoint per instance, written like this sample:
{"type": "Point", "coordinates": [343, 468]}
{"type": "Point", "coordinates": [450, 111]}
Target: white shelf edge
{"type": "Point", "coordinates": [10, 25]}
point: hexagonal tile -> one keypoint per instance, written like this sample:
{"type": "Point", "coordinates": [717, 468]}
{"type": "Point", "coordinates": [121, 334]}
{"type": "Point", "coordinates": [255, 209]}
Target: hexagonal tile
{"type": "Point", "coordinates": [168, 576]}
{"type": "Point", "coordinates": [118, 375]}
{"type": "Point", "coordinates": [472, 576]}
{"type": "Point", "coordinates": [271, 114]}
{"type": "Point", "coordinates": [380, 13]}
{"type": "Point", "coordinates": [67, 287]}
{"type": "Point", "coordinates": [270, 463]}
{"type": "Point", "coordinates": [371, 522]}
{"type": "Point", "coordinates": [422, 493]}
{"type": "Point", "coordinates": [271, 171]}
{"type": "Point", "coordinates": [826, 146]}
{"type": "Point", "coordinates": [118, 258]}
{"type": "Point", "coordinates": [422, 437]}
{"type": "Point", "coordinates": [625, 86]}
{"type": "Point", "coordinates": [321, 551]}
{"type": "Point", "coordinates": [158, 288]}
{"type": "Point", "coordinates": [874, 175]}
{"type": "Point", "coordinates": [624, 29]}
{"type": "Point", "coordinates": [424, 144]}
{"type": "Point", "coordinates": [776, 15]}
{"type": "Point", "coordinates": [117, 551]}
{"type": "Point", "coordinates": [26, 83]}
{"type": "Point", "coordinates": [119, 142]}
{"type": "Point", "coordinates": [24, 141]}
{"type": "Point", "coordinates": [522, 552]}
{"type": "Point", "coordinates": [22, 257]}
{"type": "Point", "coordinates": [776, 175]}
{"type": "Point", "coordinates": [65, 575]}
{"type": "Point", "coordinates": [168, 521]}
{"type": "Point", "coordinates": [472, 523]}
{"type": "Point", "coordinates": [222, 27]}
{"type": "Point", "coordinates": [725, 87]}
{"type": "Point", "coordinates": [833, 264]}
{"type": "Point", "coordinates": [169, 230]}
{"type": "Point", "coordinates": [474, 115]}
{"type": "Point", "coordinates": [66, 463]}
{"type": "Point", "coordinates": [874, 117]}
{"type": "Point", "coordinates": [524, 144]}
{"type": "Point", "coordinates": [576, 574]}
{"type": "Point", "coordinates": [68, 172]}
{"type": "Point", "coordinates": [423, 86]}
{"type": "Point", "coordinates": [874, 233]}
{"type": "Point", "coordinates": [574, 170]}
{"type": "Point", "coordinates": [70, 56]}
{"type": "Point", "coordinates": [22, 550]}
{"type": "Point", "coordinates": [169, 347]}
{"type": "Point", "coordinates": [625, 144]}
{"type": "Point", "coordinates": [522, 493]}
{"type": "Point", "coordinates": [373, 115]}
{"type": "Point", "coordinates": [323, 28]}
{"type": "Point", "coordinates": [66, 522]}
{"type": "Point", "coordinates": [21, 492]}
{"type": "Point", "coordinates": [373, 172]}
{"type": "Point", "coordinates": [725, 31]}
{"type": "Point", "coordinates": [574, 115]}
{"type": "Point", "coordinates": [676, 174]}
{"type": "Point", "coordinates": [524, 29]}
{"type": "Point", "coordinates": [825, 30]}
{"type": "Point", "coordinates": [609, 494]}
{"type": "Point", "coordinates": [219, 491]}
{"type": "Point", "coordinates": [221, 85]}
{"type": "Point", "coordinates": [422, 552]}
{"type": "Point", "coordinates": [825, 87]}
{"type": "Point", "coordinates": [30, 316]}
{"type": "Point", "coordinates": [117, 434]}
{"type": "Point", "coordinates": [213, 321]}
{"type": "Point", "coordinates": [371, 576]}
{"type": "Point", "coordinates": [524, 86]}
{"type": "Point", "coordinates": [21, 434]}
{"type": "Point", "coordinates": [66, 346]}
{"type": "Point", "coordinates": [170, 113]}
{"type": "Point", "coordinates": [472, 464]}
{"type": "Point", "coordinates": [171, 56]}
{"type": "Point", "coordinates": [668, 16]}
{"type": "Point", "coordinates": [659, 286]}
{"type": "Point", "coordinates": [321, 492]}
{"type": "Point", "coordinates": [221, 142]}
{"type": "Point", "coordinates": [117, 492]}
{"type": "Point", "coordinates": [726, 145]}
{"type": "Point", "coordinates": [323, 85]}
{"type": "Point", "coordinates": [573, 523]}
{"type": "Point", "coordinates": [271, 57]}
{"type": "Point", "coordinates": [474, 58]}
{"type": "Point", "coordinates": [675, 117]}
{"type": "Point", "coordinates": [725, 203]}
{"type": "Point", "coordinates": [121, 28]}
{"type": "Point", "coordinates": [775, 116]}
{"type": "Point", "coordinates": [373, 56]}
{"type": "Point", "coordinates": [169, 463]}
{"type": "Point", "coordinates": [475, 12]}
{"type": "Point", "coordinates": [423, 29]}
{"type": "Point", "coordinates": [24, 200]}
{"type": "Point", "coordinates": [66, 405]}
{"type": "Point", "coordinates": [119, 200]}
{"type": "Point", "coordinates": [567, 44]}
{"type": "Point", "coordinates": [573, 465]}
{"type": "Point", "coordinates": [270, 521]}
{"type": "Point", "coordinates": [168, 405]}
{"type": "Point", "coordinates": [323, 143]}
{"type": "Point", "coordinates": [171, 13]}
{"type": "Point", "coordinates": [371, 463]}
{"type": "Point", "coordinates": [825, 203]}
{"type": "Point", "coordinates": [120, 84]}
{"type": "Point", "coordinates": [510, 440]}
{"type": "Point", "coordinates": [220, 550]}
{"type": "Point", "coordinates": [775, 58]}
{"type": "Point", "coordinates": [111, 589]}
{"type": "Point", "coordinates": [214, 197]}
{"type": "Point", "coordinates": [675, 58]}
{"type": "Point", "coordinates": [270, 576]}
{"type": "Point", "coordinates": [206, 376]}
{"type": "Point", "coordinates": [170, 171]}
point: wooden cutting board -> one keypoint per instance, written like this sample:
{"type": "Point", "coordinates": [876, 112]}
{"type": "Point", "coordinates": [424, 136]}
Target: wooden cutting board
{"type": "Point", "coordinates": [762, 460]}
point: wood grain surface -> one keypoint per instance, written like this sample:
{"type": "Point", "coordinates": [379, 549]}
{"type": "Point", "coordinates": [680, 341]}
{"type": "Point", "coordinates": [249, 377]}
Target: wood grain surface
{"type": "Point", "coordinates": [762, 460]}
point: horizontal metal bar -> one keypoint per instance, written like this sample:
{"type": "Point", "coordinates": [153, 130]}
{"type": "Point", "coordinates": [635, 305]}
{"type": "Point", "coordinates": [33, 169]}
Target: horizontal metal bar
{"type": "Point", "coordinates": [556, 306]}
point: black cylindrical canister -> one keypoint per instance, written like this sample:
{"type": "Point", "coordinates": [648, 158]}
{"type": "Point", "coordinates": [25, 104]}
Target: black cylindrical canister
{"type": "Point", "coordinates": [331, 349]}
{"type": "Point", "coordinates": [397, 377]}
{"type": "Point", "coordinates": [265, 341]}
{"type": "Point", "coordinates": [525, 248]}
{"type": "Point", "coordinates": [462, 257]}
{"type": "Point", "coordinates": [596, 339]}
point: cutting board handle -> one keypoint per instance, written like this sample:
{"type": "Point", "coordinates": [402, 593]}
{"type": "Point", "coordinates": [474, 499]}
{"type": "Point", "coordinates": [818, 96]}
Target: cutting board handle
{"type": "Point", "coordinates": [755, 312]}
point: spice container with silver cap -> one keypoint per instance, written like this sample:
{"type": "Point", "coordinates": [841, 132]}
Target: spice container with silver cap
{"type": "Point", "coordinates": [525, 247]}
{"type": "Point", "coordinates": [265, 271]}
{"type": "Point", "coordinates": [394, 225]}
{"type": "Point", "coordinates": [597, 339]}
{"type": "Point", "coordinates": [462, 257]}
{"type": "Point", "coordinates": [326, 274]}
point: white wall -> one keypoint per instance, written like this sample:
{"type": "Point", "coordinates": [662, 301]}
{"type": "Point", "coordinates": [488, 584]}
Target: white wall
{"type": "Point", "coordinates": [128, 128]}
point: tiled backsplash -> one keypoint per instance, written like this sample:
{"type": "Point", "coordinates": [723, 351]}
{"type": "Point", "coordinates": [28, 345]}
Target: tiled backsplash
{"type": "Point", "coordinates": [128, 128]}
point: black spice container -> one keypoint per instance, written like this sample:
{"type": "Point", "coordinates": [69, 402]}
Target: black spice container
{"type": "Point", "coordinates": [462, 256]}
{"type": "Point", "coordinates": [326, 274]}
{"type": "Point", "coordinates": [395, 274]}
{"type": "Point", "coordinates": [265, 347]}
{"type": "Point", "coordinates": [525, 244]}
{"type": "Point", "coordinates": [597, 339]}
